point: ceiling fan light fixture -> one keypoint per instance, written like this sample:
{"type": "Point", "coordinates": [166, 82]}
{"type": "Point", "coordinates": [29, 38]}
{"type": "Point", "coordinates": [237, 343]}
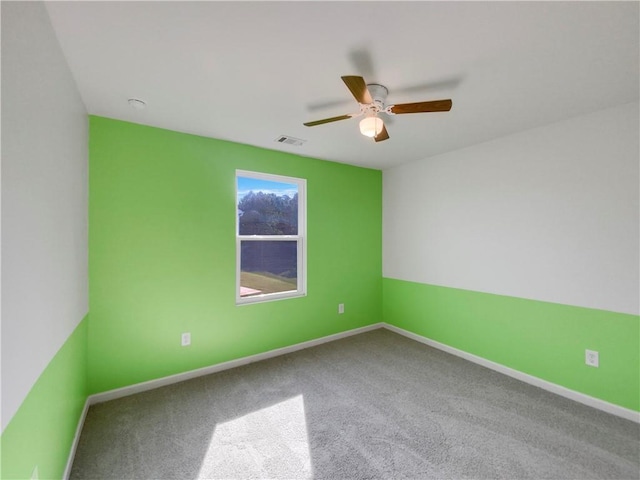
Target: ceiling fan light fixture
{"type": "Point", "coordinates": [371, 126]}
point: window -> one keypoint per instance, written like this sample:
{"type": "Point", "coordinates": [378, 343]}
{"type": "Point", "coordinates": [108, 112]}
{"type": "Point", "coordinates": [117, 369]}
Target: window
{"type": "Point", "coordinates": [270, 237]}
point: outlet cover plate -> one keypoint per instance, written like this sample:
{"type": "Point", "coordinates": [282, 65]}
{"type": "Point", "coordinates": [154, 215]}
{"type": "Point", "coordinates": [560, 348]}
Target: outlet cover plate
{"type": "Point", "coordinates": [591, 358]}
{"type": "Point", "coordinates": [341, 308]}
{"type": "Point", "coordinates": [186, 339]}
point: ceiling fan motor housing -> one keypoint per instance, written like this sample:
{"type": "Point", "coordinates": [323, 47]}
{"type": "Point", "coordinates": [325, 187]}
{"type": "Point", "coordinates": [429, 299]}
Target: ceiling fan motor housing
{"type": "Point", "coordinates": [379, 95]}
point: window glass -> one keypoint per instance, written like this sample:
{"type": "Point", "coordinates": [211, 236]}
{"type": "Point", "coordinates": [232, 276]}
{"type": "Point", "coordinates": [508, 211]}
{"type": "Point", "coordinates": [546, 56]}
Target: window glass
{"type": "Point", "coordinates": [268, 267]}
{"type": "Point", "coordinates": [266, 207]}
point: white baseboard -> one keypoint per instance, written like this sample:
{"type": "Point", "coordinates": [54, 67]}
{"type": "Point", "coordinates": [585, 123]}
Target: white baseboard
{"type": "Point", "coordinates": [76, 439]}
{"type": "Point", "coordinates": [524, 377]}
{"type": "Point", "coordinates": [180, 377]}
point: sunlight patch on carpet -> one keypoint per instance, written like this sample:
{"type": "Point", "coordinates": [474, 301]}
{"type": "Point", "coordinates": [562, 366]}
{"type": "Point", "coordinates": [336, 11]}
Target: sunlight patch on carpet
{"type": "Point", "coordinates": [268, 443]}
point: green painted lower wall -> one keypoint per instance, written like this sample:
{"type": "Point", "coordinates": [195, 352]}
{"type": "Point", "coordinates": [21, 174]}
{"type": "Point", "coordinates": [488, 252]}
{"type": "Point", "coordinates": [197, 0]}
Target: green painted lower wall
{"type": "Point", "coordinates": [162, 253]}
{"type": "Point", "coordinates": [546, 340]}
{"type": "Point", "coordinates": [42, 430]}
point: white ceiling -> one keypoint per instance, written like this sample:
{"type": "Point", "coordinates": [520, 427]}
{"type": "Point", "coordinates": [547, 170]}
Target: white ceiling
{"type": "Point", "coordinates": [252, 71]}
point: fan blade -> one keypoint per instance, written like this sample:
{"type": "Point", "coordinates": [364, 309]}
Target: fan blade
{"type": "Point", "coordinates": [418, 107]}
{"type": "Point", "coordinates": [327, 120]}
{"type": "Point", "coordinates": [383, 135]}
{"type": "Point", "coordinates": [358, 88]}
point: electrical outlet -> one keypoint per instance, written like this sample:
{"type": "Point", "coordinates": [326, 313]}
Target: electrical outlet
{"type": "Point", "coordinates": [341, 308]}
{"type": "Point", "coordinates": [591, 358]}
{"type": "Point", "coordinates": [186, 339]}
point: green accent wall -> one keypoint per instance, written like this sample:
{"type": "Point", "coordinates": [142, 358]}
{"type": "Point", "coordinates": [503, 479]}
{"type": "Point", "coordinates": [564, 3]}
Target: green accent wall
{"type": "Point", "coordinates": [542, 339]}
{"type": "Point", "coordinates": [162, 253]}
{"type": "Point", "coordinates": [42, 430]}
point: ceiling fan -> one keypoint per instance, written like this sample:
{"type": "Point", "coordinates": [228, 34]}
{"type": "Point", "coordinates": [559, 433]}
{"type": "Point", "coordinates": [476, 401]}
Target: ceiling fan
{"type": "Point", "coordinates": [371, 98]}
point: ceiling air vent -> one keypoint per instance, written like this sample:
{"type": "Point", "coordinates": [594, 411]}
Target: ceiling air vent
{"type": "Point", "coordinates": [290, 140]}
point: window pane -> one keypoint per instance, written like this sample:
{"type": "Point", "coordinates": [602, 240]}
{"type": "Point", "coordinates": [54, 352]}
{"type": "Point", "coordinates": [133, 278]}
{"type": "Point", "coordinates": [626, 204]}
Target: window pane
{"type": "Point", "coordinates": [268, 267]}
{"type": "Point", "coordinates": [266, 207]}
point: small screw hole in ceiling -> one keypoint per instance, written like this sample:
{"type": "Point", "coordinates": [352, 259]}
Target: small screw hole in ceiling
{"type": "Point", "coordinates": [137, 104]}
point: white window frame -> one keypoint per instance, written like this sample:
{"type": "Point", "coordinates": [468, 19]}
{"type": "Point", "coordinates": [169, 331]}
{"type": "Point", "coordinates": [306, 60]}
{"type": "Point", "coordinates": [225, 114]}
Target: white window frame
{"type": "Point", "coordinates": [301, 239]}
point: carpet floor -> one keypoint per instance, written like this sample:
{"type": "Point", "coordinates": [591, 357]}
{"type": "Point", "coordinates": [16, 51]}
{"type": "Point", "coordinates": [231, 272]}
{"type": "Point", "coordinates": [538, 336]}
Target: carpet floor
{"type": "Point", "coordinates": [372, 406]}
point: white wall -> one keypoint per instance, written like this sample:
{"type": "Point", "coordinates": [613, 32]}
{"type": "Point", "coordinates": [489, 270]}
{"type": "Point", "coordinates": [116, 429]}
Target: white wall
{"type": "Point", "coordinates": [44, 200]}
{"type": "Point", "coordinates": [548, 214]}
